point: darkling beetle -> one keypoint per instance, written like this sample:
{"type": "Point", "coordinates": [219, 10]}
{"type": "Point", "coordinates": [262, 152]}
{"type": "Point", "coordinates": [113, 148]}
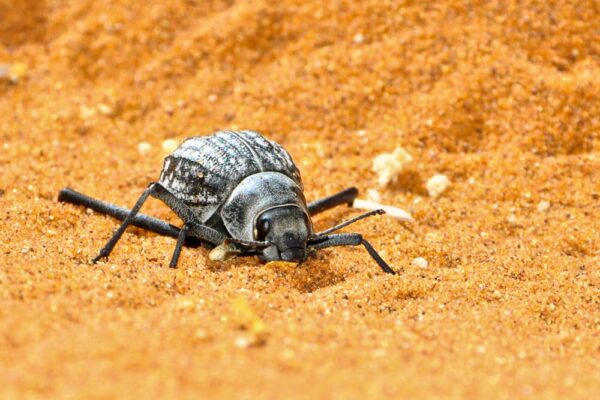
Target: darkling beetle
{"type": "Point", "coordinates": [237, 190]}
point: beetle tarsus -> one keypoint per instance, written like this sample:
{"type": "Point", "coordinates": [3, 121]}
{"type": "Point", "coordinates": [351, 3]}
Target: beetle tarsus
{"type": "Point", "coordinates": [178, 246]}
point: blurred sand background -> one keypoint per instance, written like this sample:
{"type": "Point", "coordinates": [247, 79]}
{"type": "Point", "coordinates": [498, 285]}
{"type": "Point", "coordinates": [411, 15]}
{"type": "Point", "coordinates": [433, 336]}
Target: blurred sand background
{"type": "Point", "coordinates": [503, 97]}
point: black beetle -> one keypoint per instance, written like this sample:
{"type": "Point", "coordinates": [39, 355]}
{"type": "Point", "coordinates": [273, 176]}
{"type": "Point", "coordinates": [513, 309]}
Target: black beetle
{"type": "Point", "coordinates": [239, 191]}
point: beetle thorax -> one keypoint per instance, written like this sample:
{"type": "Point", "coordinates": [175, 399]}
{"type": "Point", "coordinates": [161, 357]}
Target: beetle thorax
{"type": "Point", "coordinates": [256, 194]}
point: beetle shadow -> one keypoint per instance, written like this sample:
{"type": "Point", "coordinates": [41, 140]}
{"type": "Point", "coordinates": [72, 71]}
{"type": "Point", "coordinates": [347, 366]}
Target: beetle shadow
{"type": "Point", "coordinates": [314, 274]}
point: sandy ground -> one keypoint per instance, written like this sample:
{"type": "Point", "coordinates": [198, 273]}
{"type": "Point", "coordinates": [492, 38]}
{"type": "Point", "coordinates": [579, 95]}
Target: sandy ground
{"type": "Point", "coordinates": [501, 96]}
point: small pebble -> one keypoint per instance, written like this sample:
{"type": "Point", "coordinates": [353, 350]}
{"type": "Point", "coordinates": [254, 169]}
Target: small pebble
{"type": "Point", "coordinates": [242, 342]}
{"type": "Point", "coordinates": [420, 262]}
{"type": "Point", "coordinates": [169, 145]}
{"type": "Point", "coordinates": [437, 184]}
{"type": "Point", "coordinates": [86, 112]}
{"type": "Point", "coordinates": [4, 71]}
{"type": "Point", "coordinates": [13, 73]}
{"type": "Point", "coordinates": [358, 38]}
{"type": "Point", "coordinates": [144, 148]}
{"type": "Point", "coordinates": [389, 165]}
{"type": "Point", "coordinates": [223, 252]}
{"type": "Point", "coordinates": [212, 98]}
{"type": "Point", "coordinates": [543, 206]}
{"type": "Point", "coordinates": [106, 110]}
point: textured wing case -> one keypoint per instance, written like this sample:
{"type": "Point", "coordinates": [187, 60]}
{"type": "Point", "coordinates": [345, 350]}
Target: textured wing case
{"type": "Point", "coordinates": [203, 171]}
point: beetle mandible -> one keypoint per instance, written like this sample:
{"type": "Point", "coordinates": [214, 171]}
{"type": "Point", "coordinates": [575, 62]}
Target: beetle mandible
{"type": "Point", "coordinates": [235, 190]}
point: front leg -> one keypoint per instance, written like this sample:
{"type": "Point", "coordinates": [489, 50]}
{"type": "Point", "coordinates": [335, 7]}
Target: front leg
{"type": "Point", "coordinates": [349, 239]}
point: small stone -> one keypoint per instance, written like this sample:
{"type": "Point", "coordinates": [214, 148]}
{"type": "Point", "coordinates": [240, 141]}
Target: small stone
{"type": "Point", "coordinates": [144, 148]}
{"type": "Point", "coordinates": [543, 206]}
{"type": "Point", "coordinates": [169, 145]}
{"type": "Point", "coordinates": [437, 184]}
{"type": "Point", "coordinates": [224, 252]}
{"type": "Point", "coordinates": [12, 72]}
{"type": "Point", "coordinates": [242, 342]}
{"type": "Point", "coordinates": [420, 262]}
{"type": "Point", "coordinates": [358, 38]}
{"type": "Point", "coordinates": [202, 334]}
{"type": "Point", "coordinates": [389, 165]}
{"type": "Point", "coordinates": [212, 98]}
{"type": "Point", "coordinates": [512, 219]}
{"type": "Point", "coordinates": [107, 110]}
{"type": "Point", "coordinates": [184, 304]}
{"type": "Point", "coordinates": [4, 71]}
{"type": "Point", "coordinates": [86, 112]}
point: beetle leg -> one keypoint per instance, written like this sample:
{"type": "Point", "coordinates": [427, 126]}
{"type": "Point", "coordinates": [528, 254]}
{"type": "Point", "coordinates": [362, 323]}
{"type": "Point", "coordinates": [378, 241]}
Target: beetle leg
{"type": "Point", "coordinates": [178, 246]}
{"type": "Point", "coordinates": [106, 250]}
{"type": "Point", "coordinates": [205, 233]}
{"type": "Point", "coordinates": [349, 239]}
{"type": "Point", "coordinates": [346, 196]}
{"type": "Point", "coordinates": [140, 220]}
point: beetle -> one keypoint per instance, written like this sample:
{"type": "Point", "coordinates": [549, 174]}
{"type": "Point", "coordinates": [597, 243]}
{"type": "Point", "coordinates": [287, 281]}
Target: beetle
{"type": "Point", "coordinates": [237, 191]}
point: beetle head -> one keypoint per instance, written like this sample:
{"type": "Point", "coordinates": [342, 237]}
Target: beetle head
{"type": "Point", "coordinates": [287, 229]}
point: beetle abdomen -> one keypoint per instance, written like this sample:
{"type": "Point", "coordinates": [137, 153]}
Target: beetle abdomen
{"type": "Point", "coordinates": [203, 171]}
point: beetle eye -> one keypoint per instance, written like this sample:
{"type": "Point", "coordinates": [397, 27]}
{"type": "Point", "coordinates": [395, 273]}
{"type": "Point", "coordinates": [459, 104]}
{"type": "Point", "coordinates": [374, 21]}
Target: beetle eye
{"type": "Point", "coordinates": [262, 228]}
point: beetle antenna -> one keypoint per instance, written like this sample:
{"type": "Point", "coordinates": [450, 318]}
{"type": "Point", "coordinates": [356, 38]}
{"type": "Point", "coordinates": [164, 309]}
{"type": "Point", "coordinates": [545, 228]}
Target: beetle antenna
{"type": "Point", "coordinates": [349, 222]}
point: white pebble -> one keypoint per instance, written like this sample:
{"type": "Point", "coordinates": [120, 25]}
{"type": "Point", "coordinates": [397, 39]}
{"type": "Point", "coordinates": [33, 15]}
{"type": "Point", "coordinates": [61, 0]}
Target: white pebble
{"type": "Point", "coordinates": [437, 184]}
{"type": "Point", "coordinates": [543, 206]}
{"type": "Point", "coordinates": [169, 145]}
{"type": "Point", "coordinates": [389, 165]}
{"type": "Point", "coordinates": [358, 38]}
{"type": "Point", "coordinates": [4, 71]}
{"type": "Point", "coordinates": [242, 342]}
{"type": "Point", "coordinates": [105, 109]}
{"type": "Point", "coordinates": [212, 98]}
{"type": "Point", "coordinates": [144, 148]}
{"type": "Point", "coordinates": [420, 262]}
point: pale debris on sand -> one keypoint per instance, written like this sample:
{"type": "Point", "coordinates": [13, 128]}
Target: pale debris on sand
{"type": "Point", "coordinates": [389, 165]}
{"type": "Point", "coordinates": [543, 206]}
{"type": "Point", "coordinates": [420, 262]}
{"type": "Point", "coordinates": [437, 184]}
{"type": "Point", "coordinates": [13, 72]}
{"type": "Point", "coordinates": [395, 212]}
{"type": "Point", "coordinates": [169, 145]}
{"type": "Point", "coordinates": [223, 252]}
{"type": "Point", "coordinates": [144, 148]}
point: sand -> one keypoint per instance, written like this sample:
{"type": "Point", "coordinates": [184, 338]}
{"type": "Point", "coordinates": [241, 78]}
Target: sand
{"type": "Point", "coordinates": [502, 97]}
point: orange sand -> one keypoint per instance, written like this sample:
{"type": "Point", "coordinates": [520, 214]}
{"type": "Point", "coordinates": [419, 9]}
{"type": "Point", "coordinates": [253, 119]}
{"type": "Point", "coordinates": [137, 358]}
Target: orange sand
{"type": "Point", "coordinates": [501, 96]}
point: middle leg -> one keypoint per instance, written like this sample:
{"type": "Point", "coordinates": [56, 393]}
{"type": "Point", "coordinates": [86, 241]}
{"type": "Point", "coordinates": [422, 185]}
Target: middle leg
{"type": "Point", "coordinates": [346, 196]}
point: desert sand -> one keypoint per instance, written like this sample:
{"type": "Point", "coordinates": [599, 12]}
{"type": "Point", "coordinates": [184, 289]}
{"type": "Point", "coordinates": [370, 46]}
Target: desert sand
{"type": "Point", "coordinates": [502, 97]}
